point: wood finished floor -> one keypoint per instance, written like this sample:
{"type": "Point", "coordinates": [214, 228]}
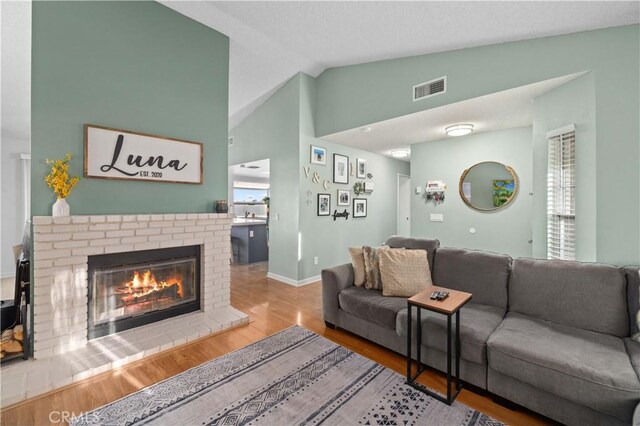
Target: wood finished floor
{"type": "Point", "coordinates": [272, 306]}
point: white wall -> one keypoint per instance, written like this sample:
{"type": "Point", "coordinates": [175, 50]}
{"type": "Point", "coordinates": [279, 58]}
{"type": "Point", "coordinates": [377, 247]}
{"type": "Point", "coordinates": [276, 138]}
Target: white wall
{"type": "Point", "coordinates": [12, 198]}
{"type": "Point", "coordinates": [15, 79]}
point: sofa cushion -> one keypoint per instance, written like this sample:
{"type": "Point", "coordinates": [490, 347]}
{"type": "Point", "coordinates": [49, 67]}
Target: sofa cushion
{"type": "Point", "coordinates": [484, 274]}
{"type": "Point", "coordinates": [477, 322]}
{"type": "Point", "coordinates": [430, 246]}
{"type": "Point", "coordinates": [588, 368]}
{"type": "Point", "coordinates": [372, 305]}
{"type": "Point", "coordinates": [582, 295]}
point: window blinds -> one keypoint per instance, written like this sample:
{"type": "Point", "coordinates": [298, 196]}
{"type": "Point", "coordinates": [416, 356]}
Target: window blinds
{"type": "Point", "coordinates": [561, 200]}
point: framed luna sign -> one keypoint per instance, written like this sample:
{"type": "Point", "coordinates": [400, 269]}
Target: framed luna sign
{"type": "Point", "coordinates": [121, 154]}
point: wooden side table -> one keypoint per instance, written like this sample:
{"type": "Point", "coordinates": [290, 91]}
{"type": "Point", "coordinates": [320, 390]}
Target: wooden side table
{"type": "Point", "coordinates": [449, 306]}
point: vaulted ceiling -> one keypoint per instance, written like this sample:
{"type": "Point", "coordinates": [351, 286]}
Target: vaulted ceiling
{"type": "Point", "coordinates": [272, 41]}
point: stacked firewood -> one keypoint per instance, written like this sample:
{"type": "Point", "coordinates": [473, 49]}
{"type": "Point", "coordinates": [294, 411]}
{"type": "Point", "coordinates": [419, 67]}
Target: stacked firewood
{"type": "Point", "coordinates": [11, 340]}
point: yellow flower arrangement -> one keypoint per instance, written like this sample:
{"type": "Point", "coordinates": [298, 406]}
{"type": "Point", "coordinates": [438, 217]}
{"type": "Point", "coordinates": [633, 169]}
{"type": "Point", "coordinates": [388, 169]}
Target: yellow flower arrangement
{"type": "Point", "coordinates": [59, 178]}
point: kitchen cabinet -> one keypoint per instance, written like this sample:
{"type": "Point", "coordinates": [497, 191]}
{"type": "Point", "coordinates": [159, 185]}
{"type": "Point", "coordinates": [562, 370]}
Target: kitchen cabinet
{"type": "Point", "coordinates": [249, 238]}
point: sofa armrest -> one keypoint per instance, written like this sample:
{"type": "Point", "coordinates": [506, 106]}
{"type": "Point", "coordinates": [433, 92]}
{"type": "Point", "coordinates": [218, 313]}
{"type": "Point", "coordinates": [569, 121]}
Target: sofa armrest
{"type": "Point", "coordinates": [334, 280]}
{"type": "Point", "coordinates": [633, 349]}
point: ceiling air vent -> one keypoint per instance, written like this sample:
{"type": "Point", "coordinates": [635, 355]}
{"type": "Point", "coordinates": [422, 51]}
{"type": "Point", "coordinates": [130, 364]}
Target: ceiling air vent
{"type": "Point", "coordinates": [231, 141]}
{"type": "Point", "coordinates": [430, 88]}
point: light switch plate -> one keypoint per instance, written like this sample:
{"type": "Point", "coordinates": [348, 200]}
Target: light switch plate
{"type": "Point", "coordinates": [436, 217]}
{"type": "Point", "coordinates": [250, 234]}
{"type": "Point", "coordinates": [418, 189]}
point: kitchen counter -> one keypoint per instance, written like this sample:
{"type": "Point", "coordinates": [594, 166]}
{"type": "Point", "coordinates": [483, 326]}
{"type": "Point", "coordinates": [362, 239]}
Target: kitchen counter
{"type": "Point", "coordinates": [240, 221]}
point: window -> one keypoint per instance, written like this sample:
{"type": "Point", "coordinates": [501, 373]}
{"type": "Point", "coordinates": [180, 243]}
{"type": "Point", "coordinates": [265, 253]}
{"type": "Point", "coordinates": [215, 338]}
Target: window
{"type": "Point", "coordinates": [561, 200]}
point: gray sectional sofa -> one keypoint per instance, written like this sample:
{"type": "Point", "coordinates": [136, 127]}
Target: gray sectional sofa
{"type": "Point", "coordinates": [552, 336]}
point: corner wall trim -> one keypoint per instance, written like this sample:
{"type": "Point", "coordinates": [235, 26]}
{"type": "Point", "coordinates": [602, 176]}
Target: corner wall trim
{"type": "Point", "coordinates": [295, 283]}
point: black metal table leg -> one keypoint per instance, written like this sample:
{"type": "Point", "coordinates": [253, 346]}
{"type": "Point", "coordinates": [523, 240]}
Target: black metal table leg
{"type": "Point", "coordinates": [449, 359]}
{"type": "Point", "coordinates": [458, 386]}
{"type": "Point", "coordinates": [419, 338]}
{"type": "Point", "coordinates": [409, 343]}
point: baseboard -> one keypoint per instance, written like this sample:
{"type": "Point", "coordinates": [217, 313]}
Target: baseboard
{"type": "Point", "coordinates": [310, 280]}
{"type": "Point", "coordinates": [295, 283]}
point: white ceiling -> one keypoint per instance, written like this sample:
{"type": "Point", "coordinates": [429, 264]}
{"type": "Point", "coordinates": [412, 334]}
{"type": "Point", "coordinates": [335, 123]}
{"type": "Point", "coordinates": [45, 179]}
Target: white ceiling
{"type": "Point", "coordinates": [272, 41]}
{"type": "Point", "coordinates": [497, 111]}
{"type": "Point", "coordinates": [246, 170]}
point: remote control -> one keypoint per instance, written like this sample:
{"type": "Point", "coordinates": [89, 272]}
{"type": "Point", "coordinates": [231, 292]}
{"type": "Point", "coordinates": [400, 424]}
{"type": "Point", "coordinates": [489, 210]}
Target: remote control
{"type": "Point", "coordinates": [435, 295]}
{"type": "Point", "coordinates": [443, 295]}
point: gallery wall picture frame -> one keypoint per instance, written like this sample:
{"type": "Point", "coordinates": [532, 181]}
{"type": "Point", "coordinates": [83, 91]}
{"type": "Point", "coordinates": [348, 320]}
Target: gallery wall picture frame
{"type": "Point", "coordinates": [344, 197]}
{"type": "Point", "coordinates": [359, 207]}
{"type": "Point", "coordinates": [361, 168]}
{"type": "Point", "coordinates": [318, 155]}
{"type": "Point", "coordinates": [340, 169]}
{"type": "Point", "coordinates": [324, 205]}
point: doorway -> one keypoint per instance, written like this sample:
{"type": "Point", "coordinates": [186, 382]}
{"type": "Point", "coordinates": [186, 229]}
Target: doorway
{"type": "Point", "coordinates": [249, 193]}
{"type": "Point", "coordinates": [404, 206]}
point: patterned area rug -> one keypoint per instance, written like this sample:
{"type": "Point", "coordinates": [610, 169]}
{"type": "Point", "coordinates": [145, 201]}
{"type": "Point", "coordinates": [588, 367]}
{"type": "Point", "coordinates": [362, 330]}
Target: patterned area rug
{"type": "Point", "coordinates": [293, 377]}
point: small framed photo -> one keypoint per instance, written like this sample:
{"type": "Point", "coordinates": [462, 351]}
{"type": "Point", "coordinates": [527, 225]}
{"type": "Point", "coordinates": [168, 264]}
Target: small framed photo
{"type": "Point", "coordinates": [318, 155]}
{"type": "Point", "coordinates": [359, 207]}
{"type": "Point", "coordinates": [324, 205]}
{"type": "Point", "coordinates": [344, 197]}
{"type": "Point", "coordinates": [361, 168]}
{"type": "Point", "coordinates": [340, 168]}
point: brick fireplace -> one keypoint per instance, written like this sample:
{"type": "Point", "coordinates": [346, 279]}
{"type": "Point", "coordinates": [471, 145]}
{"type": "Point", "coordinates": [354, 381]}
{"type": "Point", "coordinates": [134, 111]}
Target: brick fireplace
{"type": "Point", "coordinates": [66, 348]}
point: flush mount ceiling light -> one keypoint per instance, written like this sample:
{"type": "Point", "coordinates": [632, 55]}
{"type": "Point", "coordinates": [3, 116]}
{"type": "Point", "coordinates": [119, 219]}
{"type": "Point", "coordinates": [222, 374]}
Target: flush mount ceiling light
{"type": "Point", "coordinates": [400, 153]}
{"type": "Point", "coordinates": [366, 129]}
{"type": "Point", "coordinates": [459, 129]}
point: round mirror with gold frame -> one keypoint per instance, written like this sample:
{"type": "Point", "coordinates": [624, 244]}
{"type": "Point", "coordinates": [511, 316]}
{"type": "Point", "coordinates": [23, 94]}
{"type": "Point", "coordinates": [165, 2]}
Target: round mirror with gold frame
{"type": "Point", "coordinates": [488, 186]}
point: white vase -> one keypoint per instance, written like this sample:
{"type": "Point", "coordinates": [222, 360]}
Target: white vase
{"type": "Point", "coordinates": [60, 208]}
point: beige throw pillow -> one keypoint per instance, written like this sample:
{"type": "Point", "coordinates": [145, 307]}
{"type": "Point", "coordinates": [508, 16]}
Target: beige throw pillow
{"type": "Point", "coordinates": [357, 261]}
{"type": "Point", "coordinates": [404, 273]}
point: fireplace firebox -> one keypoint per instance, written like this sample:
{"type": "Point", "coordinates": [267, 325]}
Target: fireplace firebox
{"type": "Point", "coordinates": [127, 290]}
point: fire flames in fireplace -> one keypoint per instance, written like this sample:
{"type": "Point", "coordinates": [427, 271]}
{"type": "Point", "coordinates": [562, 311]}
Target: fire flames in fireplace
{"type": "Point", "coordinates": [145, 287]}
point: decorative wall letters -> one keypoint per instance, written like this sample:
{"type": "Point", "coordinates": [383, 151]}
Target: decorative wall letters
{"type": "Point", "coordinates": [344, 214]}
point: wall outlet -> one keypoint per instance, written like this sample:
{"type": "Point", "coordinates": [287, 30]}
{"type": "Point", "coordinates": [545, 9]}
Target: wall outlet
{"type": "Point", "coordinates": [436, 217]}
{"type": "Point", "coordinates": [315, 260]}
{"type": "Point", "coordinates": [250, 234]}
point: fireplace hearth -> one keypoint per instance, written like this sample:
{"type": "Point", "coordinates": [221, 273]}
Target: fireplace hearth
{"type": "Point", "coordinates": [127, 290]}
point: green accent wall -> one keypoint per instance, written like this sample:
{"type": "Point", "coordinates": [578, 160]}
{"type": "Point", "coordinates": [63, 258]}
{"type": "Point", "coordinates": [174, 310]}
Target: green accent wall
{"type": "Point", "coordinates": [283, 130]}
{"type": "Point", "coordinates": [571, 103]}
{"type": "Point", "coordinates": [507, 230]}
{"type": "Point", "coordinates": [353, 96]}
{"type": "Point", "coordinates": [136, 66]}
{"type": "Point", "coordinates": [321, 236]}
{"type": "Point", "coordinates": [272, 131]}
